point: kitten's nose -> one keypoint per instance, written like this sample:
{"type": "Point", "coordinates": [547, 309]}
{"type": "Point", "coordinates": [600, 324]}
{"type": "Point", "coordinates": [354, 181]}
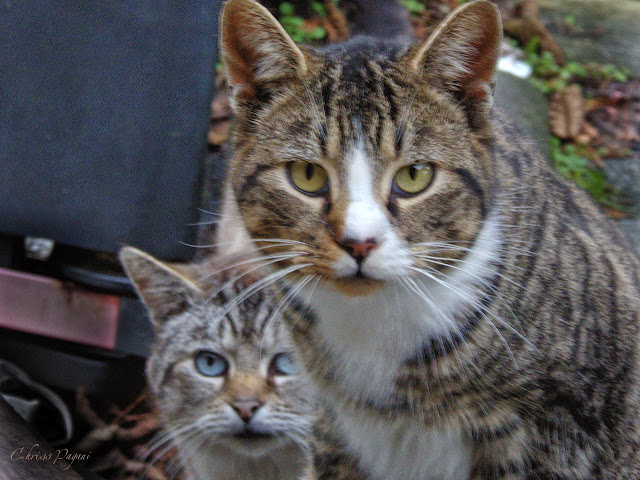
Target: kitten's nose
{"type": "Point", "coordinates": [359, 249]}
{"type": "Point", "coordinates": [246, 407]}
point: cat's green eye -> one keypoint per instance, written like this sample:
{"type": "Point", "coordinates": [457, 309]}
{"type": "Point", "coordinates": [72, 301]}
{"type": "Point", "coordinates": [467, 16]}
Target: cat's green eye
{"type": "Point", "coordinates": [211, 364]}
{"type": "Point", "coordinates": [308, 177]}
{"type": "Point", "coordinates": [413, 179]}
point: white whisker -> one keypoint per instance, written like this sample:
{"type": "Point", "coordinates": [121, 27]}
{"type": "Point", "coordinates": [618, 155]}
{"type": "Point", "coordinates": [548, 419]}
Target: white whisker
{"type": "Point", "coordinates": [285, 301]}
{"type": "Point", "coordinates": [261, 284]}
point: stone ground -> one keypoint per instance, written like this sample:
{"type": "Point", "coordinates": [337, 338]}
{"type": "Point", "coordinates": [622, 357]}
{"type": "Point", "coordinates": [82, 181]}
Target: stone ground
{"type": "Point", "coordinates": [607, 31]}
{"type": "Point", "coordinates": [625, 174]}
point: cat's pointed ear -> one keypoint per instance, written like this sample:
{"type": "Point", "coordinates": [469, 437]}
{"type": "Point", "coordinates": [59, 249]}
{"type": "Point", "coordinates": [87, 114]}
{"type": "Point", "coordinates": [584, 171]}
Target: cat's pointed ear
{"type": "Point", "coordinates": [461, 55]}
{"type": "Point", "coordinates": [166, 290]}
{"type": "Point", "coordinates": [259, 56]}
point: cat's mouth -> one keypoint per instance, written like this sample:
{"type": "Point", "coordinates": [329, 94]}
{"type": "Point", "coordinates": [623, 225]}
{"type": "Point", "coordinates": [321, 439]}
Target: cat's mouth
{"type": "Point", "coordinates": [249, 434]}
{"type": "Point", "coordinates": [358, 284]}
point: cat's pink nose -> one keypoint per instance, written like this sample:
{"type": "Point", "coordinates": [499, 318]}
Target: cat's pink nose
{"type": "Point", "coordinates": [246, 408]}
{"type": "Point", "coordinates": [359, 249]}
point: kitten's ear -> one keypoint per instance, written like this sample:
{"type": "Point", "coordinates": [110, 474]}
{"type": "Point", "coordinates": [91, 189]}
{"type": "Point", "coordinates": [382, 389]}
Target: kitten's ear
{"type": "Point", "coordinates": [258, 55]}
{"type": "Point", "coordinates": [165, 290]}
{"type": "Point", "coordinates": [461, 56]}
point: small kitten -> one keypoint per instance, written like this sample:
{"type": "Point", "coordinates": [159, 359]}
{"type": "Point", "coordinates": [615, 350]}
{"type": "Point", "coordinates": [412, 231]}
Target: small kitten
{"type": "Point", "coordinates": [225, 384]}
{"type": "Point", "coordinates": [462, 311]}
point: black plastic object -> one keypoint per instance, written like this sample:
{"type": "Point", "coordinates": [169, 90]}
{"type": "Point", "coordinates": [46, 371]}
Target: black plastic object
{"type": "Point", "coordinates": [103, 115]}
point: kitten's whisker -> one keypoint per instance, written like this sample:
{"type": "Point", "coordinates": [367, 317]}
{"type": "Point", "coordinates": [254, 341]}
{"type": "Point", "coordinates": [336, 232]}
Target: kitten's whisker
{"type": "Point", "coordinates": [165, 437]}
{"type": "Point", "coordinates": [192, 431]}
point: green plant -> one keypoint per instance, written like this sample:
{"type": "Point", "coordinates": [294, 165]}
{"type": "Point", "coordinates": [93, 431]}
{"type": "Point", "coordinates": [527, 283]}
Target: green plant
{"type": "Point", "coordinates": [610, 72]}
{"type": "Point", "coordinates": [568, 159]}
{"type": "Point", "coordinates": [295, 26]}
{"type": "Point", "coordinates": [550, 77]}
{"type": "Point", "coordinates": [571, 165]}
{"type": "Point", "coordinates": [414, 6]}
{"type": "Point", "coordinates": [319, 8]}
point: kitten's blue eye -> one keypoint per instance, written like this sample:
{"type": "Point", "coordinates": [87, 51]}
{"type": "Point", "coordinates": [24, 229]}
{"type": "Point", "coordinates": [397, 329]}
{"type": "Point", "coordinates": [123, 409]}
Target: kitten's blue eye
{"type": "Point", "coordinates": [211, 364]}
{"type": "Point", "coordinates": [283, 364]}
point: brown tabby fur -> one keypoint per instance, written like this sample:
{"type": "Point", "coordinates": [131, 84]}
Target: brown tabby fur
{"type": "Point", "coordinates": [542, 375]}
{"type": "Point", "coordinates": [191, 312]}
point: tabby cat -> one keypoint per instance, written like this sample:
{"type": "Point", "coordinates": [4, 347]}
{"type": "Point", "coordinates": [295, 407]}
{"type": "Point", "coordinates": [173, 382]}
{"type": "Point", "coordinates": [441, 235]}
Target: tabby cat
{"type": "Point", "coordinates": [462, 312]}
{"type": "Point", "coordinates": [222, 376]}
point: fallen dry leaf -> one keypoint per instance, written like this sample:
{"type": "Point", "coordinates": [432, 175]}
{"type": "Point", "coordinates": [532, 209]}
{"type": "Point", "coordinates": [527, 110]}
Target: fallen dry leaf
{"type": "Point", "coordinates": [335, 23]}
{"type": "Point", "coordinates": [615, 214]}
{"type": "Point", "coordinates": [526, 25]}
{"type": "Point", "coordinates": [219, 132]}
{"type": "Point", "coordinates": [120, 440]}
{"type": "Point", "coordinates": [566, 112]}
{"type": "Point", "coordinates": [84, 410]}
{"type": "Point", "coordinates": [221, 105]}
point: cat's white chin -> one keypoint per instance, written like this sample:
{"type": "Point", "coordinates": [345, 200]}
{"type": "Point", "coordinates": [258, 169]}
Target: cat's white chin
{"type": "Point", "coordinates": [387, 263]}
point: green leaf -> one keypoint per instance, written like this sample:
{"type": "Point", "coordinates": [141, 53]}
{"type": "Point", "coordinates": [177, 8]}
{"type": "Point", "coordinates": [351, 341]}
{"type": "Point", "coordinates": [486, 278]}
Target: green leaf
{"type": "Point", "coordinates": [414, 6]}
{"type": "Point", "coordinates": [318, 33]}
{"type": "Point", "coordinates": [319, 8]}
{"type": "Point", "coordinates": [532, 46]}
{"type": "Point", "coordinates": [572, 166]}
{"type": "Point", "coordinates": [286, 9]}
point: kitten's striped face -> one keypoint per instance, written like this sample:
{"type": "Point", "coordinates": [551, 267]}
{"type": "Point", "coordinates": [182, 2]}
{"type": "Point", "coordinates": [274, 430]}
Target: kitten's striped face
{"type": "Point", "coordinates": [371, 162]}
{"type": "Point", "coordinates": [222, 372]}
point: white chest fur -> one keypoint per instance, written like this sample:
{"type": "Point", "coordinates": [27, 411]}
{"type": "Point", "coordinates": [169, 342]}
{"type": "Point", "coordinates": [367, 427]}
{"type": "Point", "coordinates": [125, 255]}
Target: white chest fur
{"type": "Point", "coordinates": [404, 449]}
{"type": "Point", "coordinates": [369, 339]}
{"type": "Point", "coordinates": [368, 348]}
{"type": "Point", "coordinates": [366, 356]}
{"type": "Point", "coordinates": [373, 337]}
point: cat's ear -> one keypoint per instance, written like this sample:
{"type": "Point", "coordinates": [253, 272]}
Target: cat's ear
{"type": "Point", "coordinates": [259, 56]}
{"type": "Point", "coordinates": [461, 55]}
{"type": "Point", "coordinates": [166, 290]}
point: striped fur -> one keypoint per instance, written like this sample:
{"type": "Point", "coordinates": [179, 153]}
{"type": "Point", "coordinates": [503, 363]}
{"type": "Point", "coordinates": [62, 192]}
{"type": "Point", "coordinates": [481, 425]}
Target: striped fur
{"type": "Point", "coordinates": [493, 332]}
{"type": "Point", "coordinates": [191, 310]}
